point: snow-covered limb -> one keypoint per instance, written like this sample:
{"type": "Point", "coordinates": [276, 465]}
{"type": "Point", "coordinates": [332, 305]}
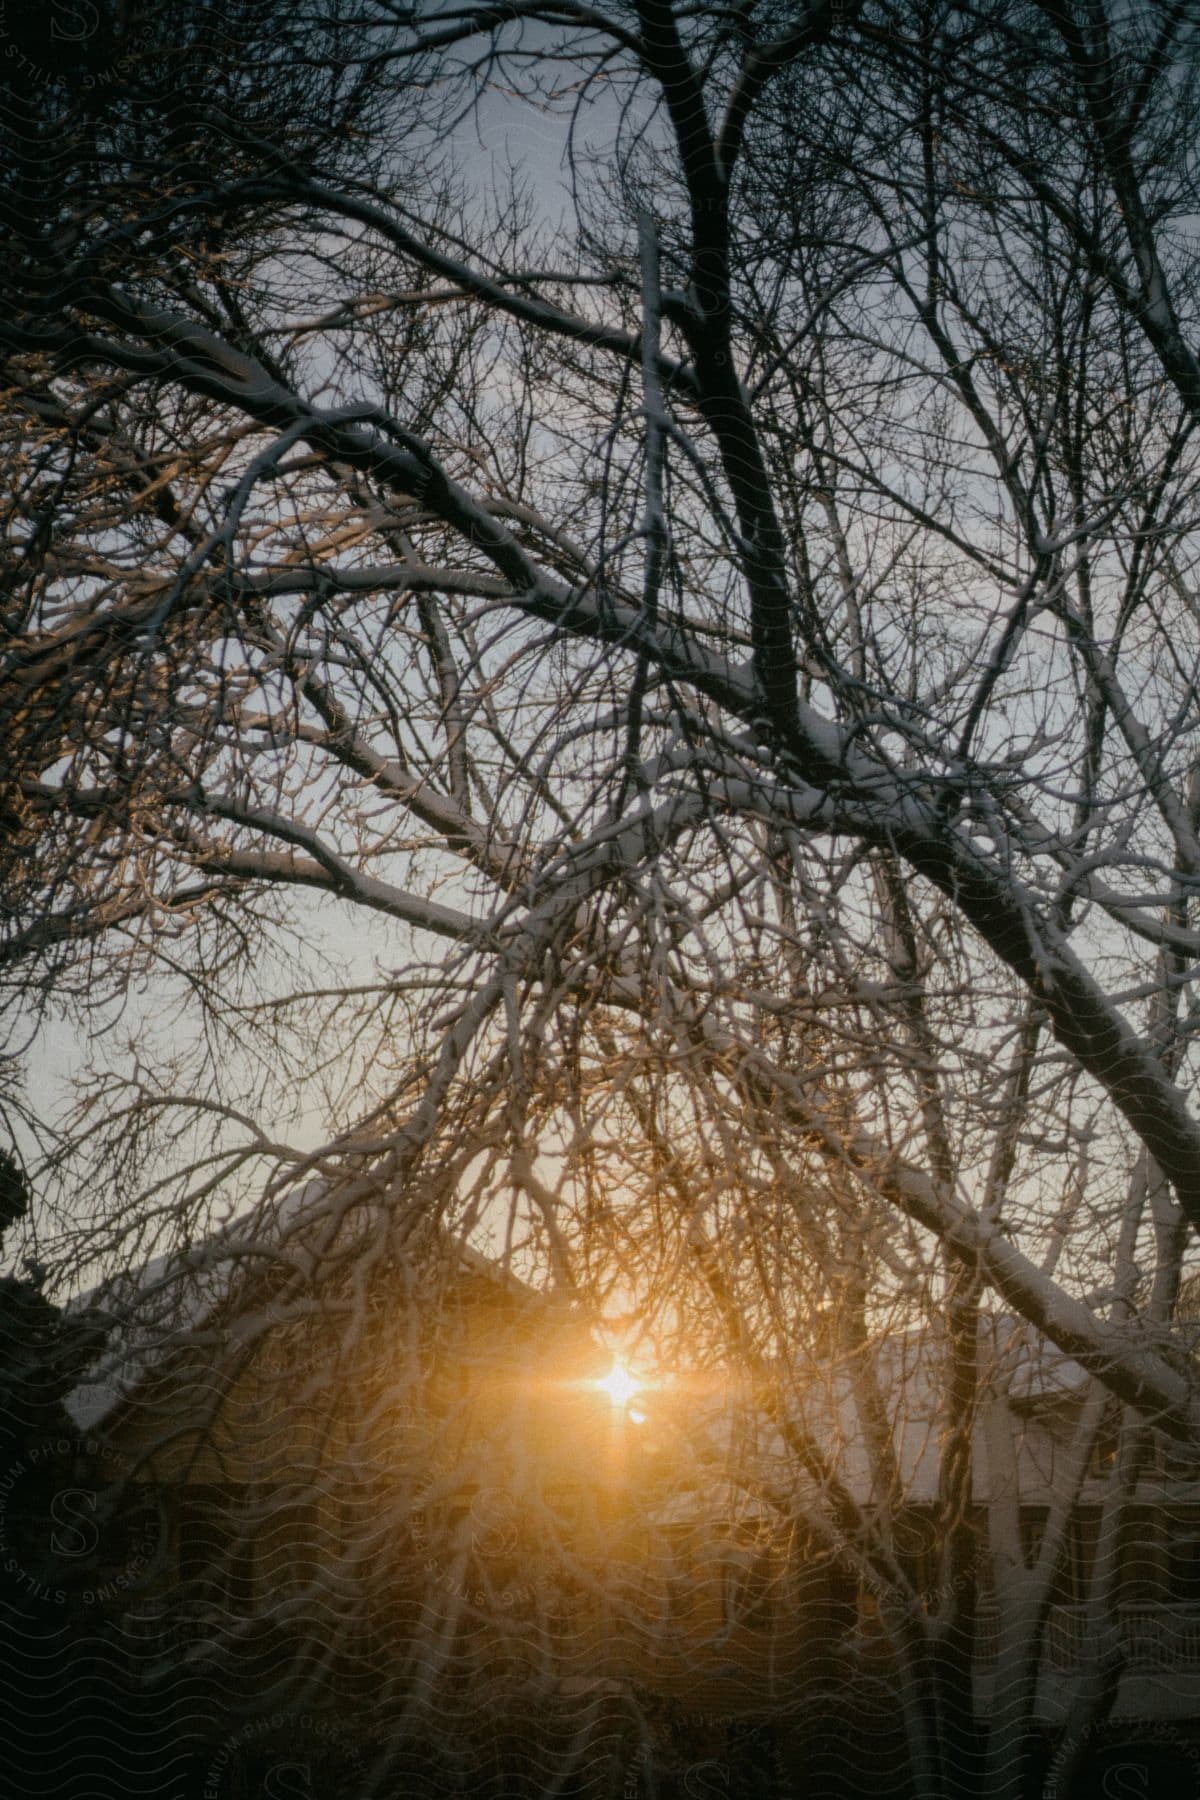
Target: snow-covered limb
{"type": "Point", "coordinates": [1133, 1371]}
{"type": "Point", "coordinates": [868, 799]}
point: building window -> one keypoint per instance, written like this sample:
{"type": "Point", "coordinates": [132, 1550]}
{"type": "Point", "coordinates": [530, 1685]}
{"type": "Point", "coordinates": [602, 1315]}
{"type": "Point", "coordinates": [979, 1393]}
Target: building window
{"type": "Point", "coordinates": [751, 1577]}
{"type": "Point", "coordinates": [1082, 1535]}
{"type": "Point", "coordinates": [684, 1586]}
{"type": "Point", "coordinates": [916, 1540]}
{"type": "Point", "coordinates": [1072, 1580]}
{"type": "Point", "coordinates": [1183, 1568]}
{"type": "Point", "coordinates": [1104, 1452]}
{"type": "Point", "coordinates": [214, 1551]}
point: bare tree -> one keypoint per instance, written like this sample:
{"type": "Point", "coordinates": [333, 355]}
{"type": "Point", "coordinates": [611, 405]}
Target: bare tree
{"type": "Point", "coordinates": [722, 652]}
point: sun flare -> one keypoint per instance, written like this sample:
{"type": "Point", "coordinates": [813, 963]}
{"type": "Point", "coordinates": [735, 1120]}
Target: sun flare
{"type": "Point", "coordinates": [619, 1384]}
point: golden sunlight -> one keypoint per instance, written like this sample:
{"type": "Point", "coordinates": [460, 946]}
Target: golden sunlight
{"type": "Point", "coordinates": [618, 1384]}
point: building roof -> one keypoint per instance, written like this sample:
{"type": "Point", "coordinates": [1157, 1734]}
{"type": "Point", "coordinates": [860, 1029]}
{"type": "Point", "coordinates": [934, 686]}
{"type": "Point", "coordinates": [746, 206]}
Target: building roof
{"type": "Point", "coordinates": [172, 1301]}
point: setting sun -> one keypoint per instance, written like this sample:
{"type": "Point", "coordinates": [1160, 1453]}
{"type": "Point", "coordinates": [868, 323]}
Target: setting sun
{"type": "Point", "coordinates": [619, 1384]}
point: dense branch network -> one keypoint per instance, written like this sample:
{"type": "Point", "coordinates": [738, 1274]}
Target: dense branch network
{"type": "Point", "coordinates": [719, 664]}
